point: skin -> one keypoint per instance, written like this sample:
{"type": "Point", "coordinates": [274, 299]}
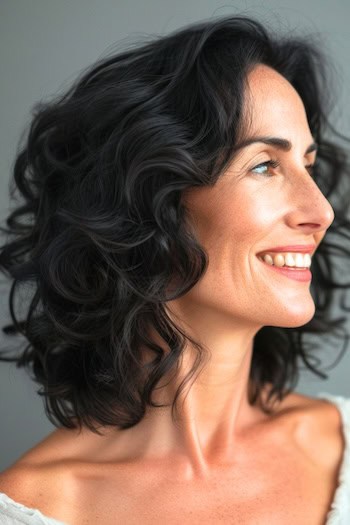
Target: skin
{"type": "Point", "coordinates": [234, 220]}
{"type": "Point", "coordinates": [218, 438]}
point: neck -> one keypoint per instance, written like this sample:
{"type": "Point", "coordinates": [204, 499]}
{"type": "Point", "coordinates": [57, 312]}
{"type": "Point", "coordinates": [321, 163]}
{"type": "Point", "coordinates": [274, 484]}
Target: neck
{"type": "Point", "coordinates": [212, 412]}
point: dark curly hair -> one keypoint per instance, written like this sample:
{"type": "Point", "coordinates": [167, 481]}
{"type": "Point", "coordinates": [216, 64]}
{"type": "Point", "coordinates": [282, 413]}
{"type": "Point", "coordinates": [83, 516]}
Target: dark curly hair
{"type": "Point", "coordinates": [100, 230]}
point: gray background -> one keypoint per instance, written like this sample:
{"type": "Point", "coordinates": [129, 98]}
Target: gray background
{"type": "Point", "coordinates": [44, 44]}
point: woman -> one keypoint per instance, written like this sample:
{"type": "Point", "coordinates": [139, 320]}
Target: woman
{"type": "Point", "coordinates": [175, 207]}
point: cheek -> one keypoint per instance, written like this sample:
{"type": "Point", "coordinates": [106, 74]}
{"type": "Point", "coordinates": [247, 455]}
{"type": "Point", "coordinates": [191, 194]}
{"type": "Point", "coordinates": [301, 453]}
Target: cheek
{"type": "Point", "coordinates": [240, 214]}
{"type": "Point", "coordinates": [248, 216]}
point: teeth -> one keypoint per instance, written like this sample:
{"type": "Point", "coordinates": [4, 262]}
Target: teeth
{"type": "Point", "coordinates": [293, 260]}
{"type": "Point", "coordinates": [289, 260]}
{"type": "Point", "coordinates": [267, 258]}
{"type": "Point", "coordinates": [278, 260]}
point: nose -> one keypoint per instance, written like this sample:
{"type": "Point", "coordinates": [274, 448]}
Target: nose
{"type": "Point", "coordinates": [309, 211]}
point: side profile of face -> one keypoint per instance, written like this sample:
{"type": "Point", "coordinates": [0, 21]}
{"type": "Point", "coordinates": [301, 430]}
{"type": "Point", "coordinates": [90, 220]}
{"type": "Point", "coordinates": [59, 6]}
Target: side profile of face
{"type": "Point", "coordinates": [251, 209]}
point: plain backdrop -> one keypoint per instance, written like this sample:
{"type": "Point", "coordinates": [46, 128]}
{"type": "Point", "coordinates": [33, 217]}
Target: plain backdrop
{"type": "Point", "coordinates": [45, 44]}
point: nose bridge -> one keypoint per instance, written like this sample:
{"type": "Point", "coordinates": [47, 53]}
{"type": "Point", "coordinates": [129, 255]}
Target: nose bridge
{"type": "Point", "coordinates": [309, 205]}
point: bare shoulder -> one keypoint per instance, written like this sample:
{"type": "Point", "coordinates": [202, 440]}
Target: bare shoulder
{"type": "Point", "coordinates": [319, 428]}
{"type": "Point", "coordinates": [57, 474]}
{"type": "Point", "coordinates": [32, 488]}
{"type": "Point", "coordinates": [39, 477]}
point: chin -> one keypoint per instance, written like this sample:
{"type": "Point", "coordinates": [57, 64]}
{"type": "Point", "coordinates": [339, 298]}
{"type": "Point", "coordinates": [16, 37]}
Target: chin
{"type": "Point", "coordinates": [295, 318]}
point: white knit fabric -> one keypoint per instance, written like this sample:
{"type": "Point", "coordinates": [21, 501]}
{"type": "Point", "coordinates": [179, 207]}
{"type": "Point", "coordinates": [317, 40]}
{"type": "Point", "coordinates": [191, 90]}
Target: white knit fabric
{"type": "Point", "coordinates": [14, 513]}
{"type": "Point", "coordinates": [339, 513]}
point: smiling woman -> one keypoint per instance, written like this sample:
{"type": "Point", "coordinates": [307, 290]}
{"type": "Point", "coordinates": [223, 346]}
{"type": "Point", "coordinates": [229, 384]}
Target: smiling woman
{"type": "Point", "coordinates": [180, 239]}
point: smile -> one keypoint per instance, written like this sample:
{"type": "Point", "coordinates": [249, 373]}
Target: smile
{"type": "Point", "coordinates": [298, 274]}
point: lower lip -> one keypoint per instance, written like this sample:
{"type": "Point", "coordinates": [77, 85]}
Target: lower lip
{"type": "Point", "coordinates": [297, 275]}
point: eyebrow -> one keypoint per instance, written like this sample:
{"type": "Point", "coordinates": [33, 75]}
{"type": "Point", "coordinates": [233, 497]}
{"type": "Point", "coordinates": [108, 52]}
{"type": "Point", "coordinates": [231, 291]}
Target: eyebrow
{"type": "Point", "coordinates": [278, 142]}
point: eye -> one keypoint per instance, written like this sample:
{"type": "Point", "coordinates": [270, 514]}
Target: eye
{"type": "Point", "coordinates": [262, 168]}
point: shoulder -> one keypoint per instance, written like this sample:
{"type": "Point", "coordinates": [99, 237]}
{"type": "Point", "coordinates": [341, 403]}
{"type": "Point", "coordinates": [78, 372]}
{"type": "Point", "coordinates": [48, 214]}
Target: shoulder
{"type": "Point", "coordinates": [309, 410]}
{"type": "Point", "coordinates": [32, 486]}
{"type": "Point", "coordinates": [60, 476]}
{"type": "Point", "coordinates": [318, 428]}
{"type": "Point", "coordinates": [38, 479]}
{"type": "Point", "coordinates": [51, 476]}
{"type": "Point", "coordinates": [47, 474]}
{"type": "Point", "coordinates": [313, 424]}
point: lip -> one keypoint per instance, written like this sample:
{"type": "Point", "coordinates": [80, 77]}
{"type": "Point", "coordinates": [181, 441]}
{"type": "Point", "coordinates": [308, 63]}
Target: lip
{"type": "Point", "coordinates": [300, 248]}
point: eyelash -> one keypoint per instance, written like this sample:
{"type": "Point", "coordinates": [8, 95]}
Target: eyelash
{"type": "Point", "coordinates": [275, 164]}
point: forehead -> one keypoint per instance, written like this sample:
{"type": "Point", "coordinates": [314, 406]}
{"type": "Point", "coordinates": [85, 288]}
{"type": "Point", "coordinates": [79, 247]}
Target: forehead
{"type": "Point", "coordinates": [271, 102]}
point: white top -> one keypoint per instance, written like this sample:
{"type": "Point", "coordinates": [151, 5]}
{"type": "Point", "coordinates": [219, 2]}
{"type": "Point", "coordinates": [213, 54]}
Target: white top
{"type": "Point", "coordinates": [14, 513]}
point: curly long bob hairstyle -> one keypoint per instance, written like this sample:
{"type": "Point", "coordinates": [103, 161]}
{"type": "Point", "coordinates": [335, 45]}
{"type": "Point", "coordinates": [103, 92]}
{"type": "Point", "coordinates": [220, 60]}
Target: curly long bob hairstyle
{"type": "Point", "coordinates": [100, 229]}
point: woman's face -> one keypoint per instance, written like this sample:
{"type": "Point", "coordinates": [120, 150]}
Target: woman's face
{"type": "Point", "coordinates": [250, 210]}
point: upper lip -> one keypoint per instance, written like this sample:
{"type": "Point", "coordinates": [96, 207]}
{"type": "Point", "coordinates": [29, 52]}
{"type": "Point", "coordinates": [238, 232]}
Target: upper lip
{"type": "Point", "coordinates": [299, 248]}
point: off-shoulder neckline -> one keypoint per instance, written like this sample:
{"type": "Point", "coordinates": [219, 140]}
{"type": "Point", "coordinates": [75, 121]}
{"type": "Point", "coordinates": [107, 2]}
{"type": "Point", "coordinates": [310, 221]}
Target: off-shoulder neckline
{"type": "Point", "coordinates": [341, 496]}
{"type": "Point", "coordinates": [6, 501]}
{"type": "Point", "coordinates": [339, 499]}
